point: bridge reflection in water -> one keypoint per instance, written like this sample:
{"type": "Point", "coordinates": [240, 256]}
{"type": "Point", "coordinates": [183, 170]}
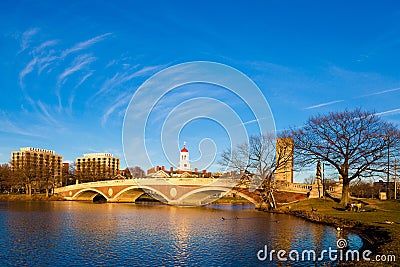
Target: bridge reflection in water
{"type": "Point", "coordinates": [173, 191]}
{"type": "Point", "coordinates": [72, 233]}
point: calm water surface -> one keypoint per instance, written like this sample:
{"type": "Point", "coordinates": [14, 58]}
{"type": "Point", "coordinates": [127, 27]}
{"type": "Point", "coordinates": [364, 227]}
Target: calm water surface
{"type": "Point", "coordinates": [87, 234]}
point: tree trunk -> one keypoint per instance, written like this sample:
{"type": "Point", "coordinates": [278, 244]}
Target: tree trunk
{"type": "Point", "coordinates": [28, 188]}
{"type": "Point", "coordinates": [345, 192]}
{"type": "Point", "coordinates": [47, 192]}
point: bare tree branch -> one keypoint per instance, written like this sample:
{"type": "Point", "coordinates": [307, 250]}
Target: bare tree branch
{"type": "Point", "coordinates": [353, 142]}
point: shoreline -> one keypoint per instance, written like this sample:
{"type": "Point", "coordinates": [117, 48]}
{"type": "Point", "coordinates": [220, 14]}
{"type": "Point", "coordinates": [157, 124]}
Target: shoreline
{"type": "Point", "coordinates": [379, 237]}
{"type": "Point", "coordinates": [42, 197]}
{"type": "Point", "coordinates": [376, 238]}
{"type": "Point", "coordinates": [372, 241]}
{"type": "Point", "coordinates": [35, 197]}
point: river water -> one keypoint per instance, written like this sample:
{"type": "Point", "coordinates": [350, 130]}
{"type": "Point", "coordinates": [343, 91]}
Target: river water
{"type": "Point", "coordinates": [111, 234]}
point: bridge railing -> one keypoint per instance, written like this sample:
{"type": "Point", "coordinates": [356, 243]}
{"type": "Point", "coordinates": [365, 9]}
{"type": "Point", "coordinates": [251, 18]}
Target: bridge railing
{"type": "Point", "coordinates": [306, 187]}
{"type": "Point", "coordinates": [96, 184]}
{"type": "Point", "coordinates": [156, 181]}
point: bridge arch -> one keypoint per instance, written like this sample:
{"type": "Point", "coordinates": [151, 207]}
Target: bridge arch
{"type": "Point", "coordinates": [203, 193]}
{"type": "Point", "coordinates": [88, 194]}
{"type": "Point", "coordinates": [130, 194]}
{"type": "Point", "coordinates": [247, 197]}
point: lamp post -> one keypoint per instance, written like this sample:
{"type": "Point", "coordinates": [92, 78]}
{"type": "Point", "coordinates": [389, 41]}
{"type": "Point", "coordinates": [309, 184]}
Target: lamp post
{"type": "Point", "coordinates": [323, 178]}
{"type": "Point", "coordinates": [386, 138]}
{"type": "Point", "coordinates": [318, 177]}
{"type": "Point", "coordinates": [394, 179]}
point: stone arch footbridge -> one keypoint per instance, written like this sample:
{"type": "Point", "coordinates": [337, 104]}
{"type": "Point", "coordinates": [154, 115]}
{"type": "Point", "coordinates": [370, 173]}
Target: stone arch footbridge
{"type": "Point", "coordinates": [174, 191]}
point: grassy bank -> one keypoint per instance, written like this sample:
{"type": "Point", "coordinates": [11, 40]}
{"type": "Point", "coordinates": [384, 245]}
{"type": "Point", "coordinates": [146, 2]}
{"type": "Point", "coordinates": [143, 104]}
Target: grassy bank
{"type": "Point", "coordinates": [378, 223]}
{"type": "Point", "coordinates": [36, 197]}
{"type": "Point", "coordinates": [232, 200]}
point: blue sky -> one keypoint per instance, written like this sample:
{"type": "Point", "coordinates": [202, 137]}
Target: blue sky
{"type": "Point", "coordinates": [69, 70]}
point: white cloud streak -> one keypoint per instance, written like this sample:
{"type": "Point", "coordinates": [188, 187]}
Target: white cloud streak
{"type": "Point", "coordinates": [324, 104]}
{"type": "Point", "coordinates": [27, 37]}
{"type": "Point", "coordinates": [78, 64]}
{"type": "Point", "coordinates": [44, 45]}
{"type": "Point", "coordinates": [28, 69]}
{"type": "Point", "coordinates": [388, 112]}
{"type": "Point", "coordinates": [42, 59]}
{"type": "Point", "coordinates": [253, 121]}
{"type": "Point", "coordinates": [120, 78]}
{"type": "Point", "coordinates": [121, 101]}
{"type": "Point", "coordinates": [46, 116]}
{"type": "Point", "coordinates": [84, 45]}
{"type": "Point", "coordinates": [380, 92]}
{"type": "Point", "coordinates": [72, 96]}
{"type": "Point", "coordinates": [7, 126]}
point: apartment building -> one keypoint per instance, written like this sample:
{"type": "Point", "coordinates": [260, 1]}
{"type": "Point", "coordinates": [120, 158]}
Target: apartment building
{"type": "Point", "coordinates": [97, 166]}
{"type": "Point", "coordinates": [39, 164]}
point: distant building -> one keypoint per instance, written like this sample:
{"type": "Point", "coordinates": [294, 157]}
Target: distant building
{"type": "Point", "coordinates": [65, 168]}
{"type": "Point", "coordinates": [381, 186]}
{"type": "Point", "coordinates": [97, 166]}
{"type": "Point", "coordinates": [183, 171]}
{"type": "Point", "coordinates": [38, 163]}
{"type": "Point", "coordinates": [126, 173]}
{"type": "Point", "coordinates": [284, 152]}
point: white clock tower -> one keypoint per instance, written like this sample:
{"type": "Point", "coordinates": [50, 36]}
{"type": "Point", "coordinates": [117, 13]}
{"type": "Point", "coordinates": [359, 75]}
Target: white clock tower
{"type": "Point", "coordinates": [184, 163]}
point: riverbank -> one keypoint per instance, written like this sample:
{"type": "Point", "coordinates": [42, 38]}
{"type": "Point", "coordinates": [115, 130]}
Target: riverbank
{"type": "Point", "coordinates": [144, 198]}
{"type": "Point", "coordinates": [232, 201]}
{"type": "Point", "coordinates": [378, 223]}
{"type": "Point", "coordinates": [23, 197]}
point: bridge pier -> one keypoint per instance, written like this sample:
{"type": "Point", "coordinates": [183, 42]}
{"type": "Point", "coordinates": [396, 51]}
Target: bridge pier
{"type": "Point", "coordinates": [263, 206]}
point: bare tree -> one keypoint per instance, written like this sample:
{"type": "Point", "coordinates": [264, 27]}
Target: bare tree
{"type": "Point", "coordinates": [25, 174]}
{"type": "Point", "coordinates": [362, 188]}
{"type": "Point", "coordinates": [260, 159]}
{"type": "Point", "coordinates": [136, 172]}
{"type": "Point", "coordinates": [310, 179]}
{"type": "Point", "coordinates": [5, 178]}
{"type": "Point", "coordinates": [353, 142]}
{"type": "Point", "coordinates": [260, 156]}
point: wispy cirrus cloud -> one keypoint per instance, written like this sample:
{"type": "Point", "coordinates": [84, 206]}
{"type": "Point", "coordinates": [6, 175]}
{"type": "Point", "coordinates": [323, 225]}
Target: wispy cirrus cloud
{"type": "Point", "coordinates": [45, 114]}
{"type": "Point", "coordinates": [84, 45]}
{"type": "Point", "coordinates": [121, 101]}
{"type": "Point", "coordinates": [28, 69]}
{"type": "Point", "coordinates": [122, 77]}
{"type": "Point", "coordinates": [388, 112]}
{"type": "Point", "coordinates": [78, 64]}
{"type": "Point", "coordinates": [380, 92]}
{"type": "Point", "coordinates": [26, 38]}
{"type": "Point", "coordinates": [253, 121]}
{"type": "Point", "coordinates": [84, 78]}
{"type": "Point", "coordinates": [46, 56]}
{"type": "Point", "coordinates": [8, 126]}
{"type": "Point", "coordinates": [42, 58]}
{"type": "Point", "coordinates": [72, 95]}
{"type": "Point", "coordinates": [45, 45]}
{"type": "Point", "coordinates": [324, 104]}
